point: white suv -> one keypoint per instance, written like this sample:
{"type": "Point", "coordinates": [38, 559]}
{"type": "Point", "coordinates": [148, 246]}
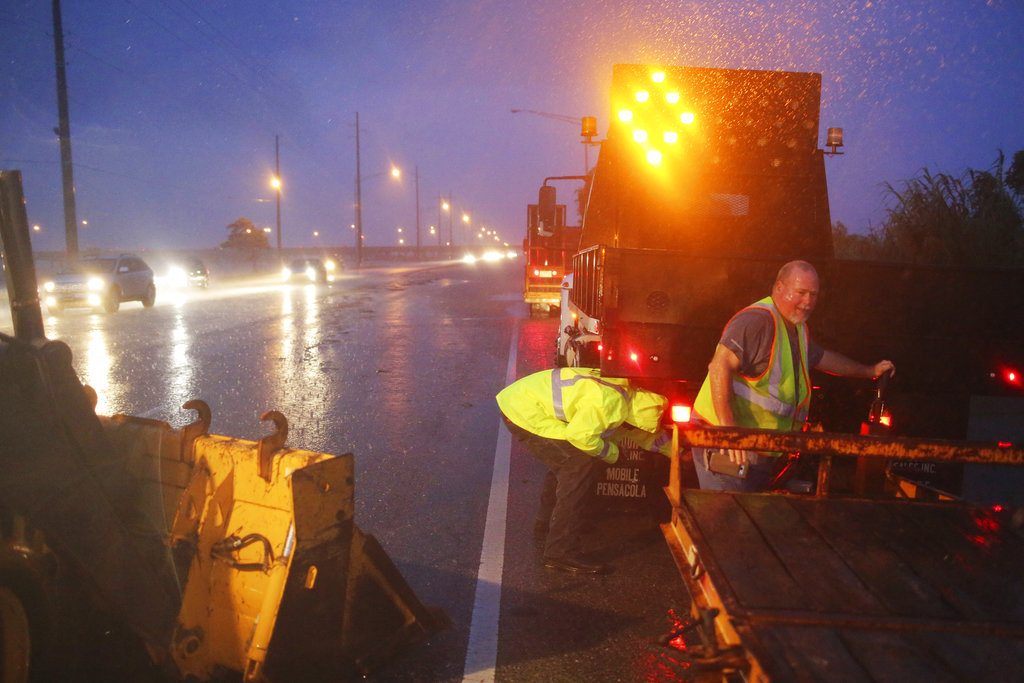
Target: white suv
{"type": "Point", "coordinates": [105, 282]}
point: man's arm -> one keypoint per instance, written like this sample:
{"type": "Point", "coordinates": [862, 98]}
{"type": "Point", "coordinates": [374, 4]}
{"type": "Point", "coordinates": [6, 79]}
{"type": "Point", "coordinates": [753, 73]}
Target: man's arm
{"type": "Point", "coordinates": [724, 364]}
{"type": "Point", "coordinates": [586, 432]}
{"type": "Point", "coordinates": [838, 364]}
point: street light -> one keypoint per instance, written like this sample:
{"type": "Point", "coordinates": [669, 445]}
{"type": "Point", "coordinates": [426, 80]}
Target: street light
{"type": "Point", "coordinates": [441, 205]}
{"type": "Point", "coordinates": [416, 170]}
{"type": "Point", "coordinates": [446, 204]}
{"type": "Point", "coordinates": [588, 129]}
{"type": "Point", "coordinates": [395, 173]}
{"type": "Point", "coordinates": [276, 183]}
{"type": "Point", "coordinates": [416, 174]}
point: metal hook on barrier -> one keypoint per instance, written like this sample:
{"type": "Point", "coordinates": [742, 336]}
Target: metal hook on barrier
{"type": "Point", "coordinates": [195, 429]}
{"type": "Point", "coordinates": [271, 443]}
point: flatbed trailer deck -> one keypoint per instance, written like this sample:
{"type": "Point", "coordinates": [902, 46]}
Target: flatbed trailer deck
{"type": "Point", "coordinates": [808, 588]}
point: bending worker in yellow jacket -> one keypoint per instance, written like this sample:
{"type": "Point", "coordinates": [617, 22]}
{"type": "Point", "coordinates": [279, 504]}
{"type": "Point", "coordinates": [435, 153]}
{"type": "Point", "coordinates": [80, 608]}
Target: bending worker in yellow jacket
{"type": "Point", "coordinates": [568, 418]}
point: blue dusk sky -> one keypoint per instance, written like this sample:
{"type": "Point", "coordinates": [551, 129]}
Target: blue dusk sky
{"type": "Point", "coordinates": [175, 104]}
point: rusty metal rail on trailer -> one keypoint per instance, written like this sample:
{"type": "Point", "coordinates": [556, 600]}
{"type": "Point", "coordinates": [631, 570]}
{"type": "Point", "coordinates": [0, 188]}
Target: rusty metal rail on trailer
{"type": "Point", "coordinates": [827, 445]}
{"type": "Point", "coordinates": [849, 444]}
{"type": "Point", "coordinates": [813, 588]}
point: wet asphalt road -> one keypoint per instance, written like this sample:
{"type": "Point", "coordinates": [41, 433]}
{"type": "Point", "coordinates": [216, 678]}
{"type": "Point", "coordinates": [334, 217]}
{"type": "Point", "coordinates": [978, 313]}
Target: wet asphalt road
{"type": "Point", "coordinates": [400, 366]}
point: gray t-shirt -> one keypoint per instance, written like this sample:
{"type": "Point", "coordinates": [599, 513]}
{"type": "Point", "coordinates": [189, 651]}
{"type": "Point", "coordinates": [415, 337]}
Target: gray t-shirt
{"type": "Point", "coordinates": [750, 335]}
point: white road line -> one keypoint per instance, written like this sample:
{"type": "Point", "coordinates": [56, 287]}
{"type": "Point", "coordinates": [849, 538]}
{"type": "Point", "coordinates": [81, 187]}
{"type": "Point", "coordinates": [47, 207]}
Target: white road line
{"type": "Point", "coordinates": [482, 651]}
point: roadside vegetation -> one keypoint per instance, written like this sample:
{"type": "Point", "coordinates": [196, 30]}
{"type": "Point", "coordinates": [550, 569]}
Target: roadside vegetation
{"type": "Point", "coordinates": [243, 233]}
{"type": "Point", "coordinates": [937, 218]}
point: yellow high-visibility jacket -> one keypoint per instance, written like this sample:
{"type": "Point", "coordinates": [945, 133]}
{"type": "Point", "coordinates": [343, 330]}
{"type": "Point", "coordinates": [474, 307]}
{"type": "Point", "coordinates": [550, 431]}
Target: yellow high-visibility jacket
{"type": "Point", "coordinates": [581, 407]}
{"type": "Point", "coordinates": [777, 399]}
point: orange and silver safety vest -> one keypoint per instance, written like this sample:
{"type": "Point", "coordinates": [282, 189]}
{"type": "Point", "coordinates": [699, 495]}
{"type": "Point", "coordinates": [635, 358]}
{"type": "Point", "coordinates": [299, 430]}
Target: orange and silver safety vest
{"type": "Point", "coordinates": [776, 399]}
{"type": "Point", "coordinates": [581, 407]}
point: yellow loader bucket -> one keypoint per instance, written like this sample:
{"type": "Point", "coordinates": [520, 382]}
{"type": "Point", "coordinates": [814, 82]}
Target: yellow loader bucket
{"type": "Point", "coordinates": [278, 582]}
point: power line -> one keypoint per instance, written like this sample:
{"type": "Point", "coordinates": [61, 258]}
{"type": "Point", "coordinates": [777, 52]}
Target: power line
{"type": "Point", "coordinates": [174, 35]}
{"type": "Point", "coordinates": [223, 36]}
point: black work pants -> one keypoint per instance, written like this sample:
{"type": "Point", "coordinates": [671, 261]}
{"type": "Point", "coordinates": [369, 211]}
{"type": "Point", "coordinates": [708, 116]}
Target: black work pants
{"type": "Point", "coordinates": [573, 472]}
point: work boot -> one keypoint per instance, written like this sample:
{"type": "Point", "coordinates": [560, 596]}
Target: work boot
{"type": "Point", "coordinates": [575, 565]}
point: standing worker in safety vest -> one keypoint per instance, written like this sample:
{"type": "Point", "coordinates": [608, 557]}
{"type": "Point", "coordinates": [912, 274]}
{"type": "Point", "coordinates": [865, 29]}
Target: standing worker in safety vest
{"type": "Point", "coordinates": [569, 418]}
{"type": "Point", "coordinates": [760, 377]}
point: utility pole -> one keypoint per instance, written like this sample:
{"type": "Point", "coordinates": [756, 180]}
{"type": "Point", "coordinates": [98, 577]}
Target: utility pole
{"type": "Point", "coordinates": [63, 131]}
{"type": "Point", "coordinates": [359, 204]}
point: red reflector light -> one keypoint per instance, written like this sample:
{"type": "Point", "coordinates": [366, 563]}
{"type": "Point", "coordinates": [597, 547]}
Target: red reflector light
{"type": "Point", "coordinates": [1005, 444]}
{"type": "Point", "coordinates": [680, 413]}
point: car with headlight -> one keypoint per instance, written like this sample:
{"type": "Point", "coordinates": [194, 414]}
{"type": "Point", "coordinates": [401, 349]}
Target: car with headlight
{"type": "Point", "coordinates": [307, 270]}
{"type": "Point", "coordinates": [186, 272]}
{"type": "Point", "coordinates": [103, 282]}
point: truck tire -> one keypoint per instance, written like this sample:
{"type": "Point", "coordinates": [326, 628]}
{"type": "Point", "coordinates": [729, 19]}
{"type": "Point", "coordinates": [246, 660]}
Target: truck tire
{"type": "Point", "coordinates": [26, 617]}
{"type": "Point", "coordinates": [560, 359]}
{"type": "Point", "coordinates": [588, 356]}
{"type": "Point", "coordinates": [15, 638]}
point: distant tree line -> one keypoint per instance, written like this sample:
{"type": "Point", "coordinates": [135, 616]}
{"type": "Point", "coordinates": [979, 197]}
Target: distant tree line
{"type": "Point", "coordinates": [974, 219]}
{"type": "Point", "coordinates": [244, 234]}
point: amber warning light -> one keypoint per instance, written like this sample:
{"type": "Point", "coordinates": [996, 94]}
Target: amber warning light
{"type": "Point", "coordinates": [655, 115]}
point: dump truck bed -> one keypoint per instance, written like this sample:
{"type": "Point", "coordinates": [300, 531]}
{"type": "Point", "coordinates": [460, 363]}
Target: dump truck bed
{"type": "Point", "coordinates": [822, 589]}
